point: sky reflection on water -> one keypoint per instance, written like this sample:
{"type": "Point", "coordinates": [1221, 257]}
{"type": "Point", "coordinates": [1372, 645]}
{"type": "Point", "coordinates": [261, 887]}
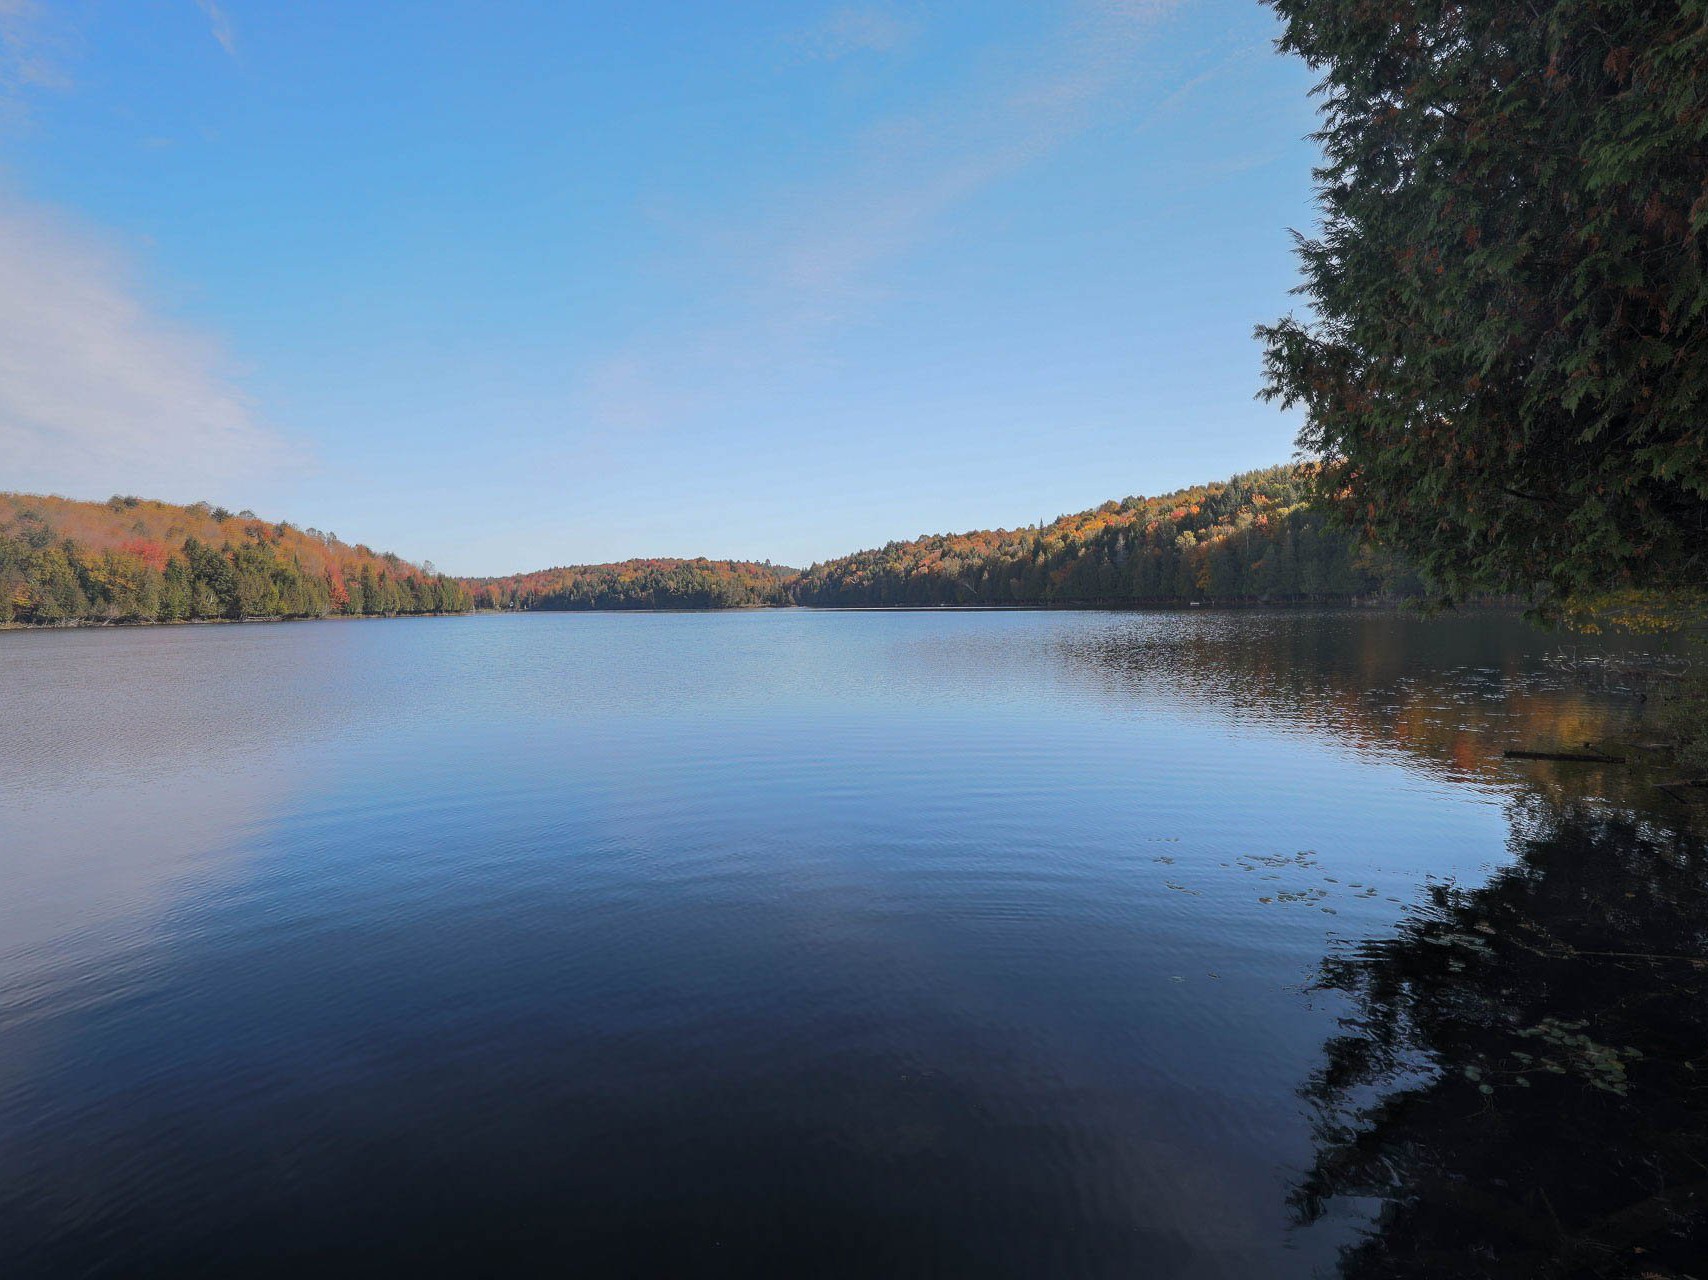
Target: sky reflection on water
{"type": "Point", "coordinates": [926, 943]}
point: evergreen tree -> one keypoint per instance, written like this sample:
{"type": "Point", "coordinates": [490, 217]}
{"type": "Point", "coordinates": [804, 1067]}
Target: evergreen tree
{"type": "Point", "coordinates": [1506, 372]}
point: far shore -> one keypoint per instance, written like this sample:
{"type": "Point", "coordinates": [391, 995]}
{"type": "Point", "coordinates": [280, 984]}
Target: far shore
{"type": "Point", "coordinates": [1078, 606]}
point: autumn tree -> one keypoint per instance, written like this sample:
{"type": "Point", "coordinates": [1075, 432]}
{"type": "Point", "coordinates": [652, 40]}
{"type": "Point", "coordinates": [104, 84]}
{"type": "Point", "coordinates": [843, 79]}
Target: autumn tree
{"type": "Point", "coordinates": [1251, 538]}
{"type": "Point", "coordinates": [134, 560]}
{"type": "Point", "coordinates": [1505, 365]}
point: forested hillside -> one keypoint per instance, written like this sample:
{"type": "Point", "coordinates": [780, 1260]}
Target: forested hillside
{"type": "Point", "coordinates": [639, 584]}
{"type": "Point", "coordinates": [1250, 539]}
{"type": "Point", "coordinates": [133, 560]}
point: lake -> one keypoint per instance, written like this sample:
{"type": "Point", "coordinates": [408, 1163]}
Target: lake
{"type": "Point", "coordinates": [821, 943]}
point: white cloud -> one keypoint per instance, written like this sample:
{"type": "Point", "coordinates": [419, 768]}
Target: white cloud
{"type": "Point", "coordinates": [220, 25]}
{"type": "Point", "coordinates": [98, 393]}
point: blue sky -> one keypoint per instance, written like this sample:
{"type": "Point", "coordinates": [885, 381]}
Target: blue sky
{"type": "Point", "coordinates": [507, 285]}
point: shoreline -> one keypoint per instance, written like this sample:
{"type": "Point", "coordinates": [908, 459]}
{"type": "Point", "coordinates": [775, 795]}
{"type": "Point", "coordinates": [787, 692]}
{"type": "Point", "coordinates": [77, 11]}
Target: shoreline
{"type": "Point", "coordinates": [1348, 604]}
{"type": "Point", "coordinates": [96, 624]}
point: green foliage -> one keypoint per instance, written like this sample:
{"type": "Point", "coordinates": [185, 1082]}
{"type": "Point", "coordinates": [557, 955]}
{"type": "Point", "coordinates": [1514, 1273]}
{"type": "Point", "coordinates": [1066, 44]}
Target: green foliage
{"type": "Point", "coordinates": [109, 573]}
{"type": "Point", "coordinates": [1682, 716]}
{"type": "Point", "coordinates": [1253, 538]}
{"type": "Point", "coordinates": [639, 584]}
{"type": "Point", "coordinates": [1250, 539]}
{"type": "Point", "coordinates": [1506, 372]}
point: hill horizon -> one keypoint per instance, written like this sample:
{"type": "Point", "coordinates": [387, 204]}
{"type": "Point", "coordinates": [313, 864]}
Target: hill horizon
{"type": "Point", "coordinates": [1253, 538]}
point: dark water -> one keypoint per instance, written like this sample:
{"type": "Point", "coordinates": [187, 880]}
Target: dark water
{"type": "Point", "coordinates": [837, 944]}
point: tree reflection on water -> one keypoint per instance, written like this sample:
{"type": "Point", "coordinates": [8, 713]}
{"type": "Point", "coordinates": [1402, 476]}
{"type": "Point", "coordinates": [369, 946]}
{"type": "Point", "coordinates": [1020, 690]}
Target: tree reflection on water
{"type": "Point", "coordinates": [1521, 1083]}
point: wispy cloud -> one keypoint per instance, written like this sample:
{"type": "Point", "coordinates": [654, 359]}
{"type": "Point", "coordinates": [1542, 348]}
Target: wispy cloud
{"type": "Point", "coordinates": [1243, 56]}
{"type": "Point", "coordinates": [851, 30]}
{"type": "Point", "coordinates": [819, 259]}
{"type": "Point", "coordinates": [97, 391]}
{"type": "Point", "coordinates": [29, 57]}
{"type": "Point", "coordinates": [220, 25]}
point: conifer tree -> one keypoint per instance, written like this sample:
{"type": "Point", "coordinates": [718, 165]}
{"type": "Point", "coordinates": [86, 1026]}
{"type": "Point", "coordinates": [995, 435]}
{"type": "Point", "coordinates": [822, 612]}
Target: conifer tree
{"type": "Point", "coordinates": [1505, 368]}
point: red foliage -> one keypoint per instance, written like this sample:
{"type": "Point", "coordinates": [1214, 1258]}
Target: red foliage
{"type": "Point", "coordinates": [149, 552]}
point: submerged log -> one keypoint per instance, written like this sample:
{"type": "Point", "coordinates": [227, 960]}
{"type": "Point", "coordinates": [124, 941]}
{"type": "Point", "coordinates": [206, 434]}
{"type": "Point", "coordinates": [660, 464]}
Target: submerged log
{"type": "Point", "coordinates": [1677, 788]}
{"type": "Point", "coordinates": [1580, 757]}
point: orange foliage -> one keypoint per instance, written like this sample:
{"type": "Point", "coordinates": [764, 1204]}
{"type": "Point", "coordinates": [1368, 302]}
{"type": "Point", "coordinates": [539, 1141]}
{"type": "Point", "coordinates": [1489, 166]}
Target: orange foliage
{"type": "Point", "coordinates": [151, 553]}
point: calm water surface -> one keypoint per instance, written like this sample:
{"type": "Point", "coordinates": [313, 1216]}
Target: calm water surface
{"type": "Point", "coordinates": [817, 943]}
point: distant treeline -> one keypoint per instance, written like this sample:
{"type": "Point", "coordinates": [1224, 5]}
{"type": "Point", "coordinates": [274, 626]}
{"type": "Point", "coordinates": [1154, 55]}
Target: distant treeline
{"type": "Point", "coordinates": [133, 560]}
{"type": "Point", "coordinates": [640, 584]}
{"type": "Point", "coordinates": [1252, 539]}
